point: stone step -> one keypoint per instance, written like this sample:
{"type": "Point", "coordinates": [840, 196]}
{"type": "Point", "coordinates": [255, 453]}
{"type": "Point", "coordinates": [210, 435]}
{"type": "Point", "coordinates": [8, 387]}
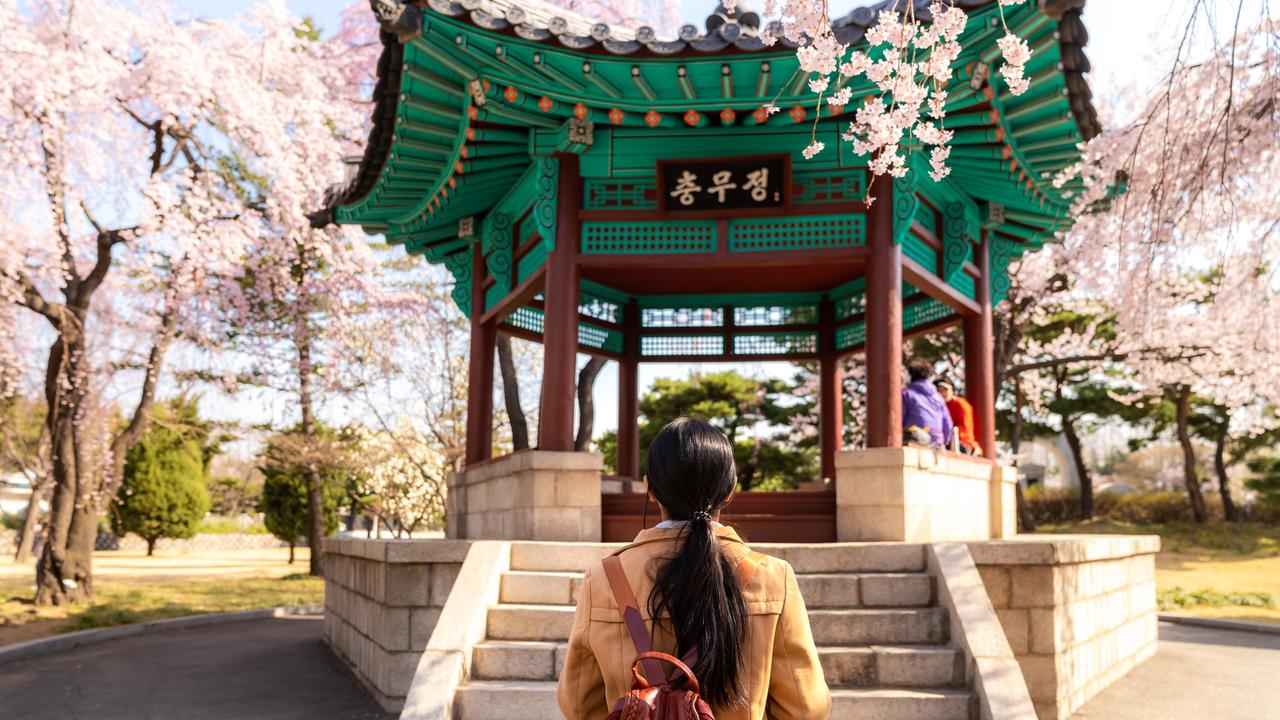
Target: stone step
{"type": "Point", "coordinates": [518, 660]}
{"type": "Point", "coordinates": [906, 666]}
{"type": "Point", "coordinates": [900, 704]}
{"type": "Point", "coordinates": [559, 557]}
{"type": "Point", "coordinates": [820, 590]}
{"type": "Point", "coordinates": [895, 589]}
{"type": "Point", "coordinates": [829, 558]}
{"type": "Point", "coordinates": [848, 557]}
{"type": "Point", "coordinates": [878, 626]}
{"type": "Point", "coordinates": [506, 699]}
{"type": "Point", "coordinates": [541, 588]}
{"type": "Point", "coordinates": [876, 665]}
{"type": "Point", "coordinates": [859, 626]}
{"type": "Point", "coordinates": [843, 590]}
{"type": "Point", "coordinates": [530, 622]}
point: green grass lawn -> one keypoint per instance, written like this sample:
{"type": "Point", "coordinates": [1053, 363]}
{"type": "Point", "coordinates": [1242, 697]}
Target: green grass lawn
{"type": "Point", "coordinates": [1222, 570]}
{"type": "Point", "coordinates": [125, 602]}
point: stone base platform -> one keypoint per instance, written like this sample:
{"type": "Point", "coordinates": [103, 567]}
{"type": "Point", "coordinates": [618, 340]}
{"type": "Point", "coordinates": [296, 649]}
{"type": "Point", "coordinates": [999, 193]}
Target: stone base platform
{"type": "Point", "coordinates": [1076, 612]}
{"type": "Point", "coordinates": [913, 494]}
{"type": "Point", "coordinates": [527, 495]}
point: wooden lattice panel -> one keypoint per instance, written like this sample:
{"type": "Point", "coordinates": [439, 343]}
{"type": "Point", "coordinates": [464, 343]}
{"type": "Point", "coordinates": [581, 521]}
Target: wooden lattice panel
{"type": "Point", "coordinates": [681, 317]}
{"type": "Point", "coordinates": [620, 195]}
{"type": "Point", "coordinates": [599, 308]}
{"type": "Point", "coordinates": [526, 318]}
{"type": "Point", "coordinates": [599, 338]}
{"type": "Point", "coordinates": [648, 238]}
{"type": "Point", "coordinates": [919, 250]}
{"type": "Point", "coordinates": [819, 232]}
{"type": "Point", "coordinates": [767, 315]}
{"type": "Point", "coordinates": [925, 312]}
{"type": "Point", "coordinates": [964, 283]}
{"type": "Point", "coordinates": [851, 335]}
{"type": "Point", "coordinates": [775, 344]}
{"type": "Point", "coordinates": [669, 346]}
{"type": "Point", "coordinates": [851, 305]}
{"type": "Point", "coordinates": [824, 187]}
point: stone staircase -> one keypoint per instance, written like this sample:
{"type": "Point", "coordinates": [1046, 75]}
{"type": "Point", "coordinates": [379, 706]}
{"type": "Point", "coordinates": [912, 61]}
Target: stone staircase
{"type": "Point", "coordinates": [882, 638]}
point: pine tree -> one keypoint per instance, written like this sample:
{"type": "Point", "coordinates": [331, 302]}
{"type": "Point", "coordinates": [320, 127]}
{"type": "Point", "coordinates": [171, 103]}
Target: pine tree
{"type": "Point", "coordinates": [163, 491]}
{"type": "Point", "coordinates": [1265, 480]}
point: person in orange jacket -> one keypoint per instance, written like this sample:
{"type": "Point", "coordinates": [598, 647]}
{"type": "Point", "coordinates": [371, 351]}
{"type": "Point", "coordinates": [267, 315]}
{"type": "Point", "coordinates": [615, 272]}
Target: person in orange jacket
{"type": "Point", "coordinates": [961, 416]}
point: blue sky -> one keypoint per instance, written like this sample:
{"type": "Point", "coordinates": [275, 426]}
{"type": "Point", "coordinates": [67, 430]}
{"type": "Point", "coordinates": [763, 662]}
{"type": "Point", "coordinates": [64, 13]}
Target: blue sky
{"type": "Point", "coordinates": [1129, 49]}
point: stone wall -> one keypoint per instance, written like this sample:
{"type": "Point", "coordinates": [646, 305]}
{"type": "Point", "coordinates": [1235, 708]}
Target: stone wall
{"type": "Point", "coordinates": [915, 494]}
{"type": "Point", "coordinates": [1079, 611]}
{"type": "Point", "coordinates": [528, 495]}
{"type": "Point", "coordinates": [382, 600]}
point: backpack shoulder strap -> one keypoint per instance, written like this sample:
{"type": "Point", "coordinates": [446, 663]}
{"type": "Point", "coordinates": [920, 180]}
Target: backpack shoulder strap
{"type": "Point", "coordinates": [625, 597]}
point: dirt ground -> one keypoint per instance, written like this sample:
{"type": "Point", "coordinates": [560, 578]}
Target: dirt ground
{"type": "Point", "coordinates": [117, 573]}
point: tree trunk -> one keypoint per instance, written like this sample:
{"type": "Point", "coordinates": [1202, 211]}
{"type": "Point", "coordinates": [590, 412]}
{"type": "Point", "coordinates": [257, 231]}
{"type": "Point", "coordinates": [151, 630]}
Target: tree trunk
{"type": "Point", "coordinates": [27, 536]}
{"type": "Point", "coordinates": [63, 573]}
{"type": "Point", "coordinates": [511, 394]}
{"type": "Point", "coordinates": [315, 491]}
{"type": "Point", "coordinates": [151, 547]}
{"type": "Point", "coordinates": [1082, 470]}
{"type": "Point", "coordinates": [1229, 510]}
{"type": "Point", "coordinates": [1025, 518]}
{"type": "Point", "coordinates": [586, 402]}
{"type": "Point", "coordinates": [1198, 510]}
{"type": "Point", "coordinates": [292, 545]}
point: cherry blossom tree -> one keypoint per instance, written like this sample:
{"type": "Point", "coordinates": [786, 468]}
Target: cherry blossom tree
{"type": "Point", "coordinates": [910, 60]}
{"type": "Point", "coordinates": [401, 478]}
{"type": "Point", "coordinates": [1186, 256]}
{"type": "Point", "coordinates": [156, 169]}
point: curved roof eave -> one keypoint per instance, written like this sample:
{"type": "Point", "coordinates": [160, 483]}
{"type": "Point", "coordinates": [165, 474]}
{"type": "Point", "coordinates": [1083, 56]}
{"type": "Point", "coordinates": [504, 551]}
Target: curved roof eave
{"type": "Point", "coordinates": [405, 23]}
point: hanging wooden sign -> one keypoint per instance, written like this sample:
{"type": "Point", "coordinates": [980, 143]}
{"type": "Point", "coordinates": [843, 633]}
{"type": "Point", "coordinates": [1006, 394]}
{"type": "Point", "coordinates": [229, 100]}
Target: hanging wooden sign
{"type": "Point", "coordinates": [708, 185]}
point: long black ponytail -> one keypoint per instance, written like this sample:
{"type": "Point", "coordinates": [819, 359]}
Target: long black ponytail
{"type": "Point", "coordinates": [691, 473]}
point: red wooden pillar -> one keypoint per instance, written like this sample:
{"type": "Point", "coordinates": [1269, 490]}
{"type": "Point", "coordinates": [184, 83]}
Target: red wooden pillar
{"type": "Point", "coordinates": [480, 370]}
{"type": "Point", "coordinates": [628, 394]}
{"type": "Point", "coordinates": [979, 355]}
{"type": "Point", "coordinates": [884, 322]}
{"type": "Point", "coordinates": [830, 391]}
{"type": "Point", "coordinates": [560, 324]}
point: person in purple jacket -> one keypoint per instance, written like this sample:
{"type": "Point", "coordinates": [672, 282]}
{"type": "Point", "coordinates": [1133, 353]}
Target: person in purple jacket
{"type": "Point", "coordinates": [923, 408]}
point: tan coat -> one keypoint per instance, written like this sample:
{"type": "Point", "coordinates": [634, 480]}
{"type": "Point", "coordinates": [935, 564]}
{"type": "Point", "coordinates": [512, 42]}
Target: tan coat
{"type": "Point", "coordinates": [783, 678]}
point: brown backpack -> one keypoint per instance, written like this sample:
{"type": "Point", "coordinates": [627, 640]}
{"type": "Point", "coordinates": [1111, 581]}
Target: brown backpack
{"type": "Point", "coordinates": [663, 700]}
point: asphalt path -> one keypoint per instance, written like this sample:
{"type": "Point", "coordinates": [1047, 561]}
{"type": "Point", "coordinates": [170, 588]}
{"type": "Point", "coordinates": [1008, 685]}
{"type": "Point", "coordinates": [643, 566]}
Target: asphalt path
{"type": "Point", "coordinates": [1197, 674]}
{"type": "Point", "coordinates": [273, 669]}
{"type": "Point", "coordinates": [279, 669]}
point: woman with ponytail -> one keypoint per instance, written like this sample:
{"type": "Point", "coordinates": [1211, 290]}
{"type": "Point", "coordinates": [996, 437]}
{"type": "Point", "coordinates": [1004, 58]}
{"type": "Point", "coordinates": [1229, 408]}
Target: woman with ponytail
{"type": "Point", "coordinates": [735, 617]}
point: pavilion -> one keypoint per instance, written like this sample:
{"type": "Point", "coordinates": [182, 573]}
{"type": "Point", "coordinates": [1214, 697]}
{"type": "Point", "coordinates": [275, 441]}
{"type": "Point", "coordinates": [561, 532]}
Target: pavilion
{"type": "Point", "coordinates": [605, 191]}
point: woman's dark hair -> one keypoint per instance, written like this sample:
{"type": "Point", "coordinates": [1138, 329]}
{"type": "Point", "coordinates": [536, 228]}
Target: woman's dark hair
{"type": "Point", "coordinates": [691, 473]}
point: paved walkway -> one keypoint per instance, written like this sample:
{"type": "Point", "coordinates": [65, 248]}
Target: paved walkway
{"type": "Point", "coordinates": [1198, 673]}
{"type": "Point", "coordinates": [277, 669]}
